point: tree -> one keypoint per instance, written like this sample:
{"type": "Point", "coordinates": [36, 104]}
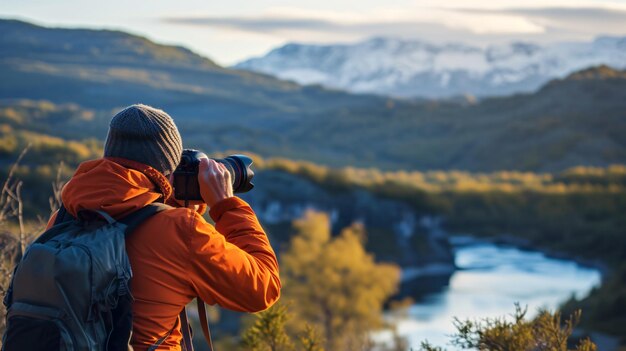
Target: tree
{"type": "Point", "coordinates": [334, 283]}
{"type": "Point", "coordinates": [546, 332]}
{"type": "Point", "coordinates": [268, 331]}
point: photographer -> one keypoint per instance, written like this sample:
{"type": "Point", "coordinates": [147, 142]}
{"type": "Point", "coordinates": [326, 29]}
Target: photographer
{"type": "Point", "coordinates": [175, 255]}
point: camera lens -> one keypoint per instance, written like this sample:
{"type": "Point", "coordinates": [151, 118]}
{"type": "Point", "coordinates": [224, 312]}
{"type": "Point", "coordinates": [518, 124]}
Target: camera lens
{"type": "Point", "coordinates": [186, 185]}
{"type": "Point", "coordinates": [239, 168]}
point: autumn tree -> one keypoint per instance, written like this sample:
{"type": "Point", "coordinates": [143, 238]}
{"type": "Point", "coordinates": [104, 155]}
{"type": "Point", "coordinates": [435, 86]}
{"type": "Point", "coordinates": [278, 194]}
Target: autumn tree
{"type": "Point", "coordinates": [335, 285]}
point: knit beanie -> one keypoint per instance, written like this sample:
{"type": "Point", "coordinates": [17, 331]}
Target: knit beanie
{"type": "Point", "coordinates": [145, 134]}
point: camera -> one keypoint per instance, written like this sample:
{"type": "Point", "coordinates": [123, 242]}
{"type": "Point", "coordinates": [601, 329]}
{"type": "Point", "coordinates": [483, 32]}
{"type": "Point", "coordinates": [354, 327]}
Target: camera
{"type": "Point", "coordinates": [186, 186]}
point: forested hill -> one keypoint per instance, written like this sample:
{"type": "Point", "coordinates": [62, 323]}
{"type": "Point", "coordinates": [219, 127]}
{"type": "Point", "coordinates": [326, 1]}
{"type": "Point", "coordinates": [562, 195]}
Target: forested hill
{"type": "Point", "coordinates": [576, 121]}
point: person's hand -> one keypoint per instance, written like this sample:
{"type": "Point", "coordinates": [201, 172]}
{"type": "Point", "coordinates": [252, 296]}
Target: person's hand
{"type": "Point", "coordinates": [215, 182]}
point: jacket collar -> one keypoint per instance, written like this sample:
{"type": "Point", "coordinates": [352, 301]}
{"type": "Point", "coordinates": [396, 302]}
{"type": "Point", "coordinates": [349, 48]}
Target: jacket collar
{"type": "Point", "coordinates": [155, 176]}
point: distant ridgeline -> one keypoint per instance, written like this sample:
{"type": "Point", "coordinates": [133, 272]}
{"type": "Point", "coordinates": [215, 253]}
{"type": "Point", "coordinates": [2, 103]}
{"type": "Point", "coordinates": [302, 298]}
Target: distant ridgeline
{"type": "Point", "coordinates": [418, 68]}
{"type": "Point", "coordinates": [574, 121]}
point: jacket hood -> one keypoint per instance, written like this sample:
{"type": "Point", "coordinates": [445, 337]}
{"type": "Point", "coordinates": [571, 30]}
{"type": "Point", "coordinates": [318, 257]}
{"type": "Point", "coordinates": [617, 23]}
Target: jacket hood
{"type": "Point", "coordinates": [116, 186]}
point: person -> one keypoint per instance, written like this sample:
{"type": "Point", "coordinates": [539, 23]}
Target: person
{"type": "Point", "coordinates": [175, 255]}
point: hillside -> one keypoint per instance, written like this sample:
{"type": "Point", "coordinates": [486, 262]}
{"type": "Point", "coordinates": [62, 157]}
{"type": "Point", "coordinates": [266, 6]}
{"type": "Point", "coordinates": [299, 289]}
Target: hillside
{"type": "Point", "coordinates": [411, 68]}
{"type": "Point", "coordinates": [106, 69]}
{"type": "Point", "coordinates": [579, 120]}
{"type": "Point", "coordinates": [94, 46]}
{"type": "Point", "coordinates": [574, 121]}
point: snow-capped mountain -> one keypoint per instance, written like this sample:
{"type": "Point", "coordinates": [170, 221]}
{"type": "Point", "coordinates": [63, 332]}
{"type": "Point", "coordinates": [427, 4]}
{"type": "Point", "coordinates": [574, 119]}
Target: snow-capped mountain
{"type": "Point", "coordinates": [410, 68]}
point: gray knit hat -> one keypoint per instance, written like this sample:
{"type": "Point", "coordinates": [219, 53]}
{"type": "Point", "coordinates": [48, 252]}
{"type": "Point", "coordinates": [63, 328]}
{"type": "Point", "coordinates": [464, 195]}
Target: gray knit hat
{"type": "Point", "coordinates": [145, 134]}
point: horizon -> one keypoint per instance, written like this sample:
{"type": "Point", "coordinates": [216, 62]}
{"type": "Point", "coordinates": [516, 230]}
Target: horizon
{"type": "Point", "coordinates": [337, 43]}
{"type": "Point", "coordinates": [231, 33]}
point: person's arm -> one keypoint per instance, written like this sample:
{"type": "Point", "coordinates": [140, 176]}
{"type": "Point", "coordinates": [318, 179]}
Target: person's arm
{"type": "Point", "coordinates": [233, 264]}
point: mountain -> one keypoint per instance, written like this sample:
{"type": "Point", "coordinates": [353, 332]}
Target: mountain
{"type": "Point", "coordinates": [410, 68]}
{"type": "Point", "coordinates": [107, 69]}
{"type": "Point", "coordinates": [578, 120]}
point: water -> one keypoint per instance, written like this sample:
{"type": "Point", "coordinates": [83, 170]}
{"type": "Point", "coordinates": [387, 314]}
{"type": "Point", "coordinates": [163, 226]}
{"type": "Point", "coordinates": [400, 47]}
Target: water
{"type": "Point", "coordinates": [489, 281]}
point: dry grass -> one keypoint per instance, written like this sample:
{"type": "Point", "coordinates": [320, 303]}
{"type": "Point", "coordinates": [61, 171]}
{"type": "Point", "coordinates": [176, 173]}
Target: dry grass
{"type": "Point", "coordinates": [15, 234]}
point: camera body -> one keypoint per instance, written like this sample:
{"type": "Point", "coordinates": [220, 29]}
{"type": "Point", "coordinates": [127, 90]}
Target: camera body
{"type": "Point", "coordinates": [186, 186]}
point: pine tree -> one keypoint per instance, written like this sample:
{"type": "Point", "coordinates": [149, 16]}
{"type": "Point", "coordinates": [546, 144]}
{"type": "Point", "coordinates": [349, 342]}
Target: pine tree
{"type": "Point", "coordinates": [268, 331]}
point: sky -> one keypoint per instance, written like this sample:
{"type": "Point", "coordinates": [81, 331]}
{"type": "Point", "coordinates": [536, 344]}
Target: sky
{"type": "Point", "coordinates": [233, 30]}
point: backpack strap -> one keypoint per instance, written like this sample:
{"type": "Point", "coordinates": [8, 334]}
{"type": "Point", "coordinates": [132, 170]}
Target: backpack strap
{"type": "Point", "coordinates": [62, 216]}
{"type": "Point", "coordinates": [204, 323]}
{"type": "Point", "coordinates": [156, 345]}
{"type": "Point", "coordinates": [134, 219]}
{"type": "Point", "coordinates": [187, 342]}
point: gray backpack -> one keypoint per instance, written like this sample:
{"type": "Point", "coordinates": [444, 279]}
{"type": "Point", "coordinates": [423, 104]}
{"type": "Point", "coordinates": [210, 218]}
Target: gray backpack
{"type": "Point", "coordinates": [70, 291]}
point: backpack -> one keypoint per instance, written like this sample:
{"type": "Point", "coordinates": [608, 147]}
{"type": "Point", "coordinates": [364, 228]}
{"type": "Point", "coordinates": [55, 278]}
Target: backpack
{"type": "Point", "coordinates": [70, 291]}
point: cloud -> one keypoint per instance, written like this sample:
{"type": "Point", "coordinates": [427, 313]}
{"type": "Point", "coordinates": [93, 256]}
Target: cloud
{"type": "Point", "coordinates": [572, 13]}
{"type": "Point", "coordinates": [587, 21]}
{"type": "Point", "coordinates": [257, 24]}
{"type": "Point", "coordinates": [474, 25]}
{"type": "Point", "coordinates": [312, 29]}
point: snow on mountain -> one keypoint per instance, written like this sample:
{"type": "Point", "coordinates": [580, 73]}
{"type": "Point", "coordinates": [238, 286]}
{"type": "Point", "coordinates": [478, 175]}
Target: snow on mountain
{"type": "Point", "coordinates": [410, 68]}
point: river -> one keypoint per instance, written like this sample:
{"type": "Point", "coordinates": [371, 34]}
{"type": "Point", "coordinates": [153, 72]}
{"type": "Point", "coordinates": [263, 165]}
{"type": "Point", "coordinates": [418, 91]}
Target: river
{"type": "Point", "coordinates": [490, 279]}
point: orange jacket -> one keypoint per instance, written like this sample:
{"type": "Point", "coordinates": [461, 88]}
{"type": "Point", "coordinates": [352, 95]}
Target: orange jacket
{"type": "Point", "coordinates": [176, 255]}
